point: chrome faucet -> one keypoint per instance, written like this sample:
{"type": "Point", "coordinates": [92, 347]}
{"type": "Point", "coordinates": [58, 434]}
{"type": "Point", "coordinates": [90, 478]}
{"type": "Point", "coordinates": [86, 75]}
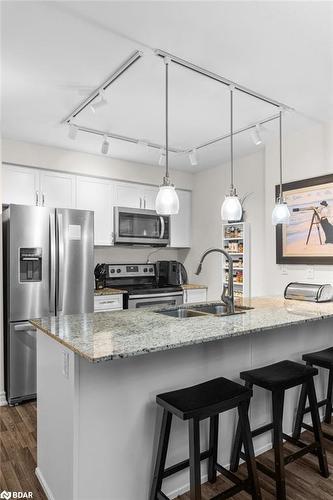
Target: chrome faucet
{"type": "Point", "coordinates": [227, 298]}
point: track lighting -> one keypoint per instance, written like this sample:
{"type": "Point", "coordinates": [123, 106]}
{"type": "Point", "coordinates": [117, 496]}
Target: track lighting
{"type": "Point", "coordinates": [231, 209]}
{"type": "Point", "coordinates": [161, 160]}
{"type": "Point", "coordinates": [99, 104]}
{"type": "Point", "coordinates": [105, 145]}
{"type": "Point", "coordinates": [167, 201]}
{"type": "Point", "coordinates": [193, 157]}
{"type": "Point", "coordinates": [72, 131]}
{"type": "Point", "coordinates": [255, 135]}
{"type": "Point", "coordinates": [281, 214]}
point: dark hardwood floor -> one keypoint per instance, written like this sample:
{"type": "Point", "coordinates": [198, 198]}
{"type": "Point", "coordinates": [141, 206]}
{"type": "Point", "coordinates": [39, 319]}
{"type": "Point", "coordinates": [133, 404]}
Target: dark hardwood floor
{"type": "Point", "coordinates": [18, 462]}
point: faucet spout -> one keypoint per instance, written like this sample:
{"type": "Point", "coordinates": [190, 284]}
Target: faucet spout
{"type": "Point", "coordinates": [228, 290]}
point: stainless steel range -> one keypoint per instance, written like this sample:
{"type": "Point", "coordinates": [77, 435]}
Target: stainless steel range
{"type": "Point", "coordinates": [141, 283]}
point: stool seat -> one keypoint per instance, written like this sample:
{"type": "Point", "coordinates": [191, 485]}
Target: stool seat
{"type": "Point", "coordinates": [320, 358]}
{"type": "Point", "coordinates": [279, 376]}
{"type": "Point", "coordinates": [204, 399]}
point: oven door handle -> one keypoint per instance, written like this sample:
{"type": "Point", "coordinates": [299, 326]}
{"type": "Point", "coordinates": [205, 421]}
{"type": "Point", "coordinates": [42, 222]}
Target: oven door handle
{"type": "Point", "coordinates": [155, 295]}
{"type": "Point", "coordinates": [162, 228]}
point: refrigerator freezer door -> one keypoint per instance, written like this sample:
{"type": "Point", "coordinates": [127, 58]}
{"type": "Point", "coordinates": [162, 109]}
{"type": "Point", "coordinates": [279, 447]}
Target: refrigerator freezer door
{"type": "Point", "coordinates": [75, 256]}
{"type": "Point", "coordinates": [21, 369]}
{"type": "Point", "coordinates": [28, 241]}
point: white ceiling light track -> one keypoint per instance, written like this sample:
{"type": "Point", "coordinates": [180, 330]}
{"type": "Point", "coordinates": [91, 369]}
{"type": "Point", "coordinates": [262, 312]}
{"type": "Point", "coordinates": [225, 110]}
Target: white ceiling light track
{"type": "Point", "coordinates": [97, 99]}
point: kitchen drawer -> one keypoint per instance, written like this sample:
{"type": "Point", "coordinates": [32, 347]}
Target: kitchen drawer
{"type": "Point", "coordinates": [108, 302]}
{"type": "Point", "coordinates": [195, 295]}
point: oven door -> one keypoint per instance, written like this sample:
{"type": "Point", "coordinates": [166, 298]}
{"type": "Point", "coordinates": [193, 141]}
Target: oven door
{"type": "Point", "coordinates": [133, 226]}
{"type": "Point", "coordinates": [160, 300]}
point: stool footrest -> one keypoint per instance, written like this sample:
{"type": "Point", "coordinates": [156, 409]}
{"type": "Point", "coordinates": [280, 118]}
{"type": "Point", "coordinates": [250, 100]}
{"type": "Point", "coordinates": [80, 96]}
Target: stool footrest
{"type": "Point", "coordinates": [240, 484]}
{"type": "Point", "coordinates": [262, 429]}
{"type": "Point", "coordinates": [319, 404]}
{"type": "Point", "coordinates": [325, 434]}
{"type": "Point", "coordinates": [184, 464]}
{"type": "Point", "coordinates": [229, 492]}
{"type": "Point", "coordinates": [300, 453]}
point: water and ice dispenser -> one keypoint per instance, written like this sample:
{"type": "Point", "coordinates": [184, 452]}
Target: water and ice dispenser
{"type": "Point", "coordinates": [30, 264]}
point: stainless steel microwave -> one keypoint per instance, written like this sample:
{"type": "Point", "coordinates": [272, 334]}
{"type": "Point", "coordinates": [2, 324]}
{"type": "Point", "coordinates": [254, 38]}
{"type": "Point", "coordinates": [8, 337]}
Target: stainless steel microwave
{"type": "Point", "coordinates": [134, 226]}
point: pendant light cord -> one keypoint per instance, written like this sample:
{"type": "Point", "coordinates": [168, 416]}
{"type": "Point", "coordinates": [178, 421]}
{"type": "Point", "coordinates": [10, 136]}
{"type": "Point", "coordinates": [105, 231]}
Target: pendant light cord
{"type": "Point", "coordinates": [280, 126]}
{"type": "Point", "coordinates": [231, 139]}
{"type": "Point", "coordinates": [166, 117]}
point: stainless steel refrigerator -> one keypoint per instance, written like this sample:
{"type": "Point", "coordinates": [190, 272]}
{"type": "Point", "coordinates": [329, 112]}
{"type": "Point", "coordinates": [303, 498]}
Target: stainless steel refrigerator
{"type": "Point", "coordinates": [48, 270]}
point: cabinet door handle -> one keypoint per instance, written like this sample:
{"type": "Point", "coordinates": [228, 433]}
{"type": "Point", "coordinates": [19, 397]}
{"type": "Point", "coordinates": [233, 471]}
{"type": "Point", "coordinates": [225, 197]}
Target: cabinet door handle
{"type": "Point", "coordinates": [144, 200]}
{"type": "Point", "coordinates": [43, 199]}
{"type": "Point", "coordinates": [37, 198]}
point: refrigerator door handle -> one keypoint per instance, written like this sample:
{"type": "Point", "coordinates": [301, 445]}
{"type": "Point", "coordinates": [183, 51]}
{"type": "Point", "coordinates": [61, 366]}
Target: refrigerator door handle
{"type": "Point", "coordinates": [52, 264]}
{"type": "Point", "coordinates": [26, 328]}
{"type": "Point", "coordinates": [61, 250]}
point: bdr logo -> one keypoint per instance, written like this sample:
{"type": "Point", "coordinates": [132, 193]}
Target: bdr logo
{"type": "Point", "coordinates": [15, 494]}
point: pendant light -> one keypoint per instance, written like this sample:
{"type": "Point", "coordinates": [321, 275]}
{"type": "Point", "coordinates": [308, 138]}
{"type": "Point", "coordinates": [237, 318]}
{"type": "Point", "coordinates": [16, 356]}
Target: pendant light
{"type": "Point", "coordinates": [281, 214]}
{"type": "Point", "coordinates": [231, 209]}
{"type": "Point", "coordinates": [167, 202]}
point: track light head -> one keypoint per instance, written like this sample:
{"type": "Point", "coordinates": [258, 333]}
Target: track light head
{"type": "Point", "coordinates": [193, 157]}
{"type": "Point", "coordinates": [161, 160]}
{"type": "Point", "coordinates": [105, 145]}
{"type": "Point", "coordinates": [72, 131]}
{"type": "Point", "coordinates": [255, 135]}
{"type": "Point", "coordinates": [99, 104]}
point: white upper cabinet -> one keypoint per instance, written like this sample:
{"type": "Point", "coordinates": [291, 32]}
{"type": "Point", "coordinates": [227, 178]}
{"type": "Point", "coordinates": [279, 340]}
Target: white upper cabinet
{"type": "Point", "coordinates": [135, 195]}
{"type": "Point", "coordinates": [57, 189]}
{"type": "Point", "coordinates": [180, 224]}
{"type": "Point", "coordinates": [97, 195]}
{"type": "Point", "coordinates": [20, 185]}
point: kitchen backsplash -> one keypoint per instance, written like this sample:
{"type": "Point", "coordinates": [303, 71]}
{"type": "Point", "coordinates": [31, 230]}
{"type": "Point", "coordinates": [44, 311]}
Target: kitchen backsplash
{"type": "Point", "coordinates": [134, 255]}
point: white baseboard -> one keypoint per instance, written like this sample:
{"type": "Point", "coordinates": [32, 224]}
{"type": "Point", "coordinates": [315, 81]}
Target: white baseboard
{"type": "Point", "coordinates": [3, 400]}
{"type": "Point", "coordinates": [44, 484]}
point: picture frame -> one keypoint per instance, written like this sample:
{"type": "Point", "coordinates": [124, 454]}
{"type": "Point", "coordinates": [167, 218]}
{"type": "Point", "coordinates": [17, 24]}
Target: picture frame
{"type": "Point", "coordinates": [308, 239]}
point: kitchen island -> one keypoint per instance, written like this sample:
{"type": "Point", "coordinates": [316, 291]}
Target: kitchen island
{"type": "Point", "coordinates": [98, 376]}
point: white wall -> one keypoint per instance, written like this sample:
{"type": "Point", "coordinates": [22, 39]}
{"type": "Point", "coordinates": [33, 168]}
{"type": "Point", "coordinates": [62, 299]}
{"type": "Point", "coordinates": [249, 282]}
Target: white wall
{"type": "Point", "coordinates": [307, 153]}
{"type": "Point", "coordinates": [208, 193]}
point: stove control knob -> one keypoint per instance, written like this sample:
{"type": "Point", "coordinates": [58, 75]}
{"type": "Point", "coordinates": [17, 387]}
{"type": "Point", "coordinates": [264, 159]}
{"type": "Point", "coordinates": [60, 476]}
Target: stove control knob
{"type": "Point", "coordinates": [118, 270]}
{"type": "Point", "coordinates": [145, 270]}
{"type": "Point", "coordinates": [151, 269]}
{"type": "Point", "coordinates": [112, 271]}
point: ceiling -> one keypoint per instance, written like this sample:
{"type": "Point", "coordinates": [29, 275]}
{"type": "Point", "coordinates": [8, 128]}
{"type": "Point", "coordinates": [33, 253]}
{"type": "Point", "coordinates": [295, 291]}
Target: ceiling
{"type": "Point", "coordinates": [53, 53]}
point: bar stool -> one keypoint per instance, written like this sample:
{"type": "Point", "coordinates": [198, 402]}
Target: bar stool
{"type": "Point", "coordinates": [196, 403]}
{"type": "Point", "coordinates": [324, 359]}
{"type": "Point", "coordinates": [277, 378]}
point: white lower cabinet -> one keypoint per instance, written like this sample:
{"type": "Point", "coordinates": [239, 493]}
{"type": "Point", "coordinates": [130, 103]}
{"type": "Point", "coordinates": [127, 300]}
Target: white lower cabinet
{"type": "Point", "coordinates": [97, 195]}
{"type": "Point", "coordinates": [195, 295]}
{"type": "Point", "coordinates": [20, 185]}
{"type": "Point", "coordinates": [103, 303]}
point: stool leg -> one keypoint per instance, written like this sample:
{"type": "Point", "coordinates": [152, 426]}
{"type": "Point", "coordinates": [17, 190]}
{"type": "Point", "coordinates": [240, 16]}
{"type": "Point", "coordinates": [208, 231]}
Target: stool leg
{"type": "Point", "coordinates": [195, 474]}
{"type": "Point", "coordinates": [213, 438]}
{"type": "Point", "coordinates": [161, 454]}
{"type": "Point", "coordinates": [300, 412]}
{"type": "Point", "coordinates": [328, 412]}
{"type": "Point", "coordinates": [278, 400]}
{"type": "Point", "coordinates": [235, 454]}
{"type": "Point", "coordinates": [317, 429]}
{"type": "Point", "coordinates": [248, 448]}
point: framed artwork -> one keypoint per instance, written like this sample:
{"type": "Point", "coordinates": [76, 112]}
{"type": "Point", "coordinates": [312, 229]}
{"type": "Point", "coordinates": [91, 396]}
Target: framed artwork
{"type": "Point", "coordinates": [308, 239]}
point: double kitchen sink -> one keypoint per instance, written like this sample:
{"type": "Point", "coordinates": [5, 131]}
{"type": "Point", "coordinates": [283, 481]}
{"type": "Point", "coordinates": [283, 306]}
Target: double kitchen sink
{"type": "Point", "coordinates": [201, 310]}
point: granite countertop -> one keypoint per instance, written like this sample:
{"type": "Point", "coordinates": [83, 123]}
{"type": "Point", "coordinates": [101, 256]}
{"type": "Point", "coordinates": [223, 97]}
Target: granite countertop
{"type": "Point", "coordinates": [108, 291]}
{"type": "Point", "coordinates": [190, 286]}
{"type": "Point", "coordinates": [110, 335]}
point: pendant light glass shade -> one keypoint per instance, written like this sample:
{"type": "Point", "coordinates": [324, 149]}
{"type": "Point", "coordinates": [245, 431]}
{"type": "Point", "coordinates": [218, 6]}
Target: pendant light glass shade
{"type": "Point", "coordinates": [281, 214]}
{"type": "Point", "coordinates": [167, 202]}
{"type": "Point", "coordinates": [231, 209]}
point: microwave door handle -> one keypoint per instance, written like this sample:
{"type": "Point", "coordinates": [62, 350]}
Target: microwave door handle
{"type": "Point", "coordinates": [162, 228]}
{"type": "Point", "coordinates": [60, 297]}
{"type": "Point", "coordinates": [52, 264]}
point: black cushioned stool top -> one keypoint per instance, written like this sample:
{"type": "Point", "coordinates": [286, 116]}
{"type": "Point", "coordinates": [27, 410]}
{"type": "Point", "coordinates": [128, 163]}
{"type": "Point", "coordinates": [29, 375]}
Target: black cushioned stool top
{"type": "Point", "coordinates": [281, 375]}
{"type": "Point", "coordinates": [203, 400]}
{"type": "Point", "coordinates": [320, 358]}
